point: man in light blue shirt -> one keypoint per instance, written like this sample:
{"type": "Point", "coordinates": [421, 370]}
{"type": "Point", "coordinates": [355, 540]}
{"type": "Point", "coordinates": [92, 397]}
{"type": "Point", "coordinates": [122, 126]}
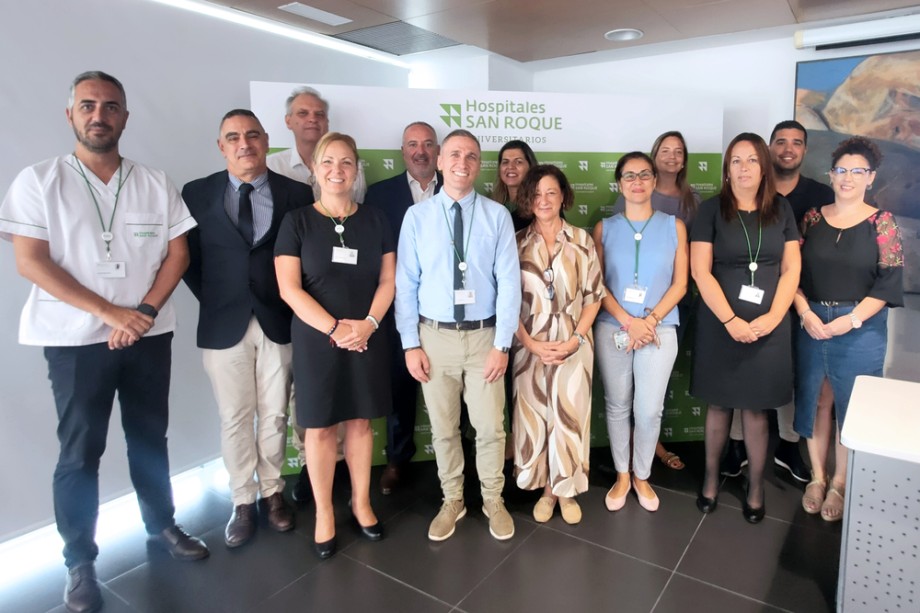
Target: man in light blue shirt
{"type": "Point", "coordinates": [458, 301]}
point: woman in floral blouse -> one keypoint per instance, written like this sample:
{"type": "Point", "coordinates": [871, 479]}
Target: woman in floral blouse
{"type": "Point", "coordinates": [852, 268]}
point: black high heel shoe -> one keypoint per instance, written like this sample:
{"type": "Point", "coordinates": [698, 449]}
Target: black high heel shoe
{"type": "Point", "coordinates": [326, 549]}
{"type": "Point", "coordinates": [751, 515]}
{"type": "Point", "coordinates": [371, 533]}
{"type": "Point", "coordinates": [706, 505]}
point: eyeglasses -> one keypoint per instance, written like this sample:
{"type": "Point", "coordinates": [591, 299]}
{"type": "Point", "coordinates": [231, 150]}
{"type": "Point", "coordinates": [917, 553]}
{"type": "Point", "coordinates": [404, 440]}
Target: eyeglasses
{"type": "Point", "coordinates": [645, 175]}
{"type": "Point", "coordinates": [856, 172]}
{"type": "Point", "coordinates": [548, 277]}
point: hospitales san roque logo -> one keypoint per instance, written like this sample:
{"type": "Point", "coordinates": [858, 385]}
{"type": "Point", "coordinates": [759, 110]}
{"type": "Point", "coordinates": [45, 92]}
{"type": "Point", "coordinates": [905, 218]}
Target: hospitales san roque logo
{"type": "Point", "coordinates": [522, 120]}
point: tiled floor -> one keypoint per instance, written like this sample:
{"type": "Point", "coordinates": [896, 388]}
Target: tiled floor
{"type": "Point", "coordinates": [673, 560]}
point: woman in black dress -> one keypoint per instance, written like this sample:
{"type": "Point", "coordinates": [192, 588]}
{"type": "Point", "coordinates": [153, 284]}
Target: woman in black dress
{"type": "Point", "coordinates": [336, 268]}
{"type": "Point", "coordinates": [744, 257]}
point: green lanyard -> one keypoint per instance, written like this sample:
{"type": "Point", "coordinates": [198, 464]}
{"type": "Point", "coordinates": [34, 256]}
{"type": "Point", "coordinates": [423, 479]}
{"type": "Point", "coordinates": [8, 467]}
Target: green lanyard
{"type": "Point", "coordinates": [107, 235]}
{"type": "Point", "coordinates": [638, 237]}
{"type": "Point", "coordinates": [339, 226]}
{"type": "Point", "coordinates": [752, 257]}
{"type": "Point", "coordinates": [469, 232]}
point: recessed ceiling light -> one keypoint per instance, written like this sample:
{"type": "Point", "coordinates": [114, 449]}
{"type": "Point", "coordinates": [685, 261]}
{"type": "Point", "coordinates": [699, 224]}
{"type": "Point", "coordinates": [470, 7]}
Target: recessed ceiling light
{"type": "Point", "coordinates": [315, 14]}
{"type": "Point", "coordinates": [624, 34]}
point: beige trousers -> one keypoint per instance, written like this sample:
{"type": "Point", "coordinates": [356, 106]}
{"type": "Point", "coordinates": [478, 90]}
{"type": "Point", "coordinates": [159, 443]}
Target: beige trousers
{"type": "Point", "coordinates": [252, 385]}
{"type": "Point", "coordinates": [458, 361]}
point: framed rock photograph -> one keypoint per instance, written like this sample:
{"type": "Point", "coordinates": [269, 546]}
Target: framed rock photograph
{"type": "Point", "coordinates": [877, 96]}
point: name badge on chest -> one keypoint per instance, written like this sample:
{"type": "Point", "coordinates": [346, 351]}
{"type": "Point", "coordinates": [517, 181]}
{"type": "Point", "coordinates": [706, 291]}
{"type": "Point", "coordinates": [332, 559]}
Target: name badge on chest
{"type": "Point", "coordinates": [110, 270]}
{"type": "Point", "coordinates": [635, 294]}
{"type": "Point", "coordinates": [751, 293]}
{"type": "Point", "coordinates": [344, 255]}
{"type": "Point", "coordinates": [464, 296]}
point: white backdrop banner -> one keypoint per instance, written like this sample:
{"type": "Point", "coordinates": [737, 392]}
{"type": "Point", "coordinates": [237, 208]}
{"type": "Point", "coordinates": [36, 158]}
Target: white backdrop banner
{"type": "Point", "coordinates": [583, 134]}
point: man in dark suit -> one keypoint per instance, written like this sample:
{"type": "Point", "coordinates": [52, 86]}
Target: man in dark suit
{"type": "Point", "coordinates": [244, 328]}
{"type": "Point", "coordinates": [394, 196]}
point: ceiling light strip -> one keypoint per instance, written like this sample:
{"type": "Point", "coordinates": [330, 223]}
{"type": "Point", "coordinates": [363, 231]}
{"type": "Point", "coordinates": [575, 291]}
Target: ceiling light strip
{"type": "Point", "coordinates": [279, 29]}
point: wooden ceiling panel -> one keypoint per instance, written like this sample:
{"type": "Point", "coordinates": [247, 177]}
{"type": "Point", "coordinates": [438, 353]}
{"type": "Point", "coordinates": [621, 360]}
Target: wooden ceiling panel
{"type": "Point", "coordinates": [713, 17]}
{"type": "Point", "coordinates": [529, 30]}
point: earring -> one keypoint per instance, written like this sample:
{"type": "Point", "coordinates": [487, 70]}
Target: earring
{"type": "Point", "coordinates": [869, 188]}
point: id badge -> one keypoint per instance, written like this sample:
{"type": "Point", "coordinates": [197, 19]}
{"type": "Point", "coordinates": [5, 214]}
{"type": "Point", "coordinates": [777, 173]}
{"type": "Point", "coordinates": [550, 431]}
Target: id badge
{"type": "Point", "coordinates": [464, 296]}
{"type": "Point", "coordinates": [110, 270]}
{"type": "Point", "coordinates": [621, 339]}
{"type": "Point", "coordinates": [635, 294]}
{"type": "Point", "coordinates": [751, 293]}
{"type": "Point", "coordinates": [344, 255]}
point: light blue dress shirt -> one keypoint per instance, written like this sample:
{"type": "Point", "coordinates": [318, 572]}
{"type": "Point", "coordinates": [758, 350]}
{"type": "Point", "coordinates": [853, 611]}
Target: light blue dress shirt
{"type": "Point", "coordinates": [261, 198]}
{"type": "Point", "coordinates": [425, 266]}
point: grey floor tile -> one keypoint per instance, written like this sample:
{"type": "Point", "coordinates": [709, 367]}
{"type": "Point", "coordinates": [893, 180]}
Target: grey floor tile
{"type": "Point", "coordinates": [552, 571]}
{"type": "Point", "coordinates": [779, 563]}
{"type": "Point", "coordinates": [229, 580]}
{"type": "Point", "coordinates": [686, 595]}
{"type": "Point", "coordinates": [448, 570]}
{"type": "Point", "coordinates": [660, 537]}
{"type": "Point", "coordinates": [342, 584]}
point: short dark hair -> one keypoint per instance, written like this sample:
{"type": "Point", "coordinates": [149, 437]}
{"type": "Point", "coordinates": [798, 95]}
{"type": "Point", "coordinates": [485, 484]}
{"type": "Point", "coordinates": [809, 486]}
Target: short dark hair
{"type": "Point", "coordinates": [464, 134]}
{"type": "Point", "coordinates": [633, 155]}
{"type": "Point", "coordinates": [528, 190]}
{"type": "Point", "coordinates": [239, 113]}
{"type": "Point", "coordinates": [858, 145]}
{"type": "Point", "coordinates": [95, 75]}
{"type": "Point", "coordinates": [790, 124]}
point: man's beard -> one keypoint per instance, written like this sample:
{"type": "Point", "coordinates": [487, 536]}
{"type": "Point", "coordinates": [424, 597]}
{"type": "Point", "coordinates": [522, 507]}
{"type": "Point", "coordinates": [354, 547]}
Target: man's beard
{"type": "Point", "coordinates": [787, 172]}
{"type": "Point", "coordinates": [104, 143]}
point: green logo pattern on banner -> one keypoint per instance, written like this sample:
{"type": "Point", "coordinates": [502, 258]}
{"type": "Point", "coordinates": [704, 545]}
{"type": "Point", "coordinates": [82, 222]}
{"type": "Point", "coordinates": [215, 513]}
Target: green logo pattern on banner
{"type": "Point", "coordinates": [592, 178]}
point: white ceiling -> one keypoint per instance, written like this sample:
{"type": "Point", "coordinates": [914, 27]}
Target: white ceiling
{"type": "Point", "coordinates": [533, 30]}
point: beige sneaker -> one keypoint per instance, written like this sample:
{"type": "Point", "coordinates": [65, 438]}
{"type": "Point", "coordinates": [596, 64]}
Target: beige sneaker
{"type": "Point", "coordinates": [571, 512]}
{"type": "Point", "coordinates": [501, 526]}
{"type": "Point", "coordinates": [443, 524]}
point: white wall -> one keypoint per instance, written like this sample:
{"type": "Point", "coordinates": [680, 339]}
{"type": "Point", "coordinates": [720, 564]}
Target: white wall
{"type": "Point", "coordinates": [182, 72]}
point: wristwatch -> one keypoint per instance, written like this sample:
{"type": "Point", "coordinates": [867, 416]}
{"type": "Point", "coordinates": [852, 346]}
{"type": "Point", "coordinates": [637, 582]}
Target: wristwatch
{"type": "Point", "coordinates": [581, 339]}
{"type": "Point", "coordinates": [148, 309]}
{"type": "Point", "coordinates": [857, 323]}
{"type": "Point", "coordinates": [504, 349]}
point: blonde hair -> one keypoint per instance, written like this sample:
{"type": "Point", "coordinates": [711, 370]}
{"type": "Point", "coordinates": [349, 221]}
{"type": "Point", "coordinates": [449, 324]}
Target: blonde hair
{"type": "Point", "coordinates": [332, 137]}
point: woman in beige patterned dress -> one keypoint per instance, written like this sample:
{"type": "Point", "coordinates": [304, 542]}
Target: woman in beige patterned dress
{"type": "Point", "coordinates": [554, 357]}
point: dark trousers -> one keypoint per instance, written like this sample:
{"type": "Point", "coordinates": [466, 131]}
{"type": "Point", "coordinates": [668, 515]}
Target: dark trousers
{"type": "Point", "coordinates": [401, 422]}
{"type": "Point", "coordinates": [84, 381]}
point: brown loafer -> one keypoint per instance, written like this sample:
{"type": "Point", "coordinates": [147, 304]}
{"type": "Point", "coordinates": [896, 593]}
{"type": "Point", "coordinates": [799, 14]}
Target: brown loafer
{"type": "Point", "coordinates": [180, 544]}
{"type": "Point", "coordinates": [279, 514]}
{"type": "Point", "coordinates": [242, 525]}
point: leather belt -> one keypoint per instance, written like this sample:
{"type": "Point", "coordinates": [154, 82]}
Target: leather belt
{"type": "Point", "coordinates": [459, 325]}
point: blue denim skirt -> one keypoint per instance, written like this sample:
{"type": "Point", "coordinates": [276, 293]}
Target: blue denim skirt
{"type": "Point", "coordinates": [839, 360]}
